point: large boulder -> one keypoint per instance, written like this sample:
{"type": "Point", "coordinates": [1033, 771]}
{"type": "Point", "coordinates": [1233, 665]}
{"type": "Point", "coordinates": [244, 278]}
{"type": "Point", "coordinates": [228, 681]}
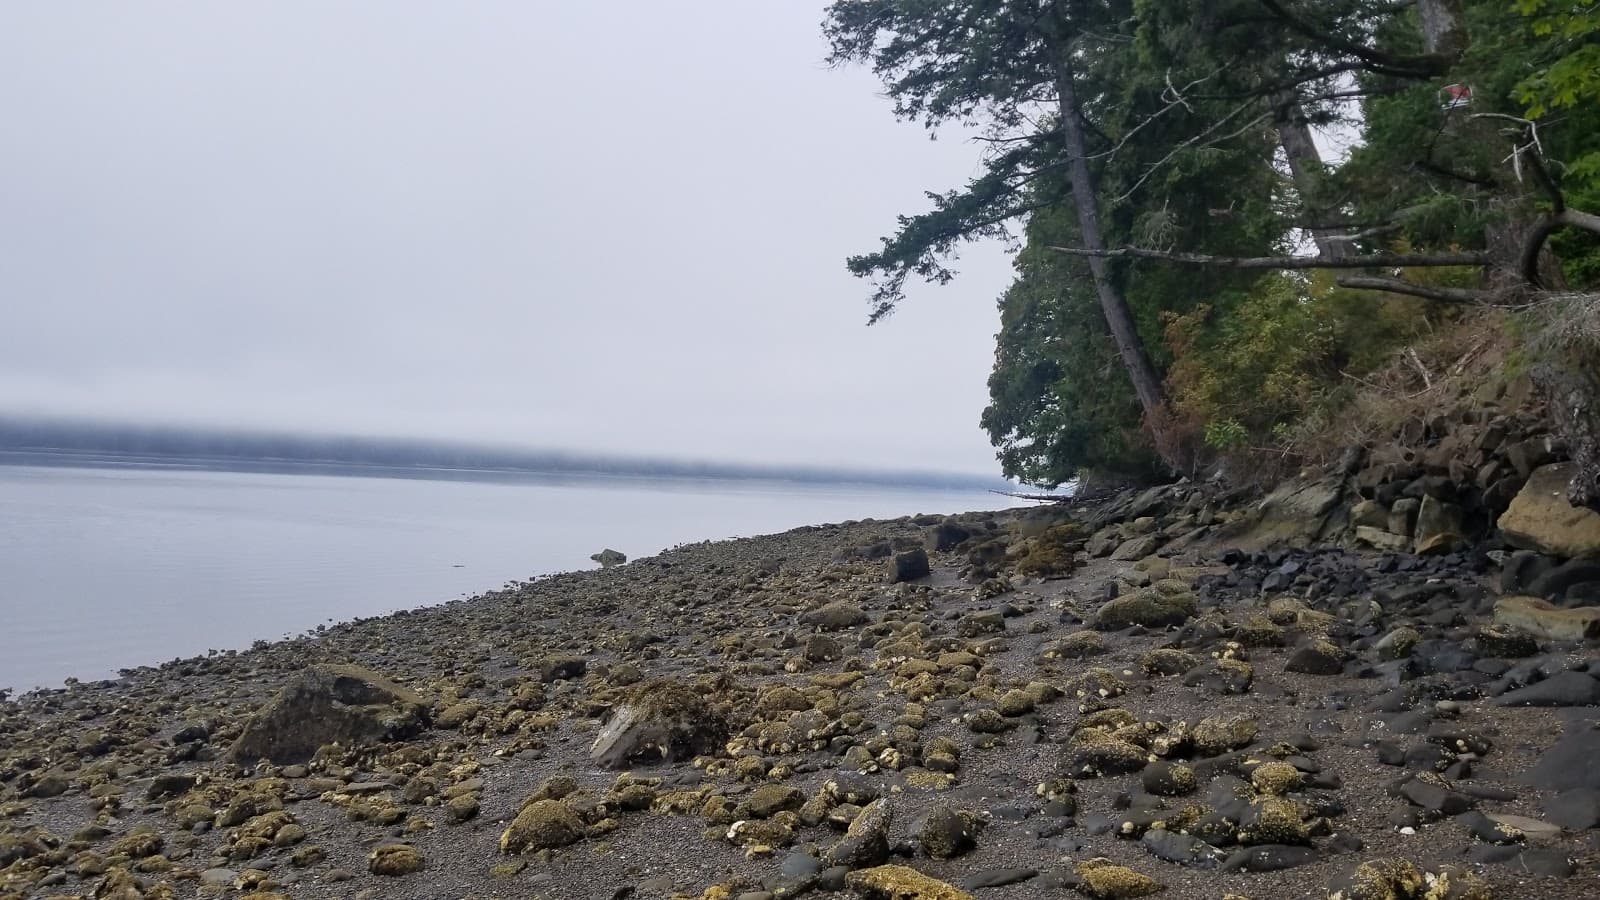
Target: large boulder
{"type": "Point", "coordinates": [1296, 513]}
{"type": "Point", "coordinates": [908, 565]}
{"type": "Point", "coordinates": [662, 721]}
{"type": "Point", "coordinates": [329, 704]}
{"type": "Point", "coordinates": [1151, 607]}
{"type": "Point", "coordinates": [1540, 518]}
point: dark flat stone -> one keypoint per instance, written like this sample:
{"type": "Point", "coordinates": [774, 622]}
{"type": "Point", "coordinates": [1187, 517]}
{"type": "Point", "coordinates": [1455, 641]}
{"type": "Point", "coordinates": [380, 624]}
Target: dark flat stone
{"type": "Point", "coordinates": [1486, 829]}
{"type": "Point", "coordinates": [989, 878]}
{"type": "Point", "coordinates": [1562, 689]}
{"type": "Point", "coordinates": [1576, 809]}
{"type": "Point", "coordinates": [1436, 799]}
{"type": "Point", "coordinates": [1181, 849]}
{"type": "Point", "coordinates": [1270, 858]}
{"type": "Point", "coordinates": [1548, 863]}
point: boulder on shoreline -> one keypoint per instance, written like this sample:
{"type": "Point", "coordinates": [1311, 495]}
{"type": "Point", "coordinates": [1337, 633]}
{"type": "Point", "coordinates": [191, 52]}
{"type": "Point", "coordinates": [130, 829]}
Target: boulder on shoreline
{"type": "Point", "coordinates": [329, 704]}
{"type": "Point", "coordinates": [1540, 518]}
{"type": "Point", "coordinates": [662, 721]}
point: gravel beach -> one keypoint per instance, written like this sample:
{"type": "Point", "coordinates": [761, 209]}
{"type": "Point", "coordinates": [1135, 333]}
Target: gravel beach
{"type": "Point", "coordinates": [1021, 704]}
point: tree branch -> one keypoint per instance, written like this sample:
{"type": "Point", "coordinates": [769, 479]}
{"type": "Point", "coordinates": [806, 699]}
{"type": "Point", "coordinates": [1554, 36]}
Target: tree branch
{"type": "Point", "coordinates": [1528, 260]}
{"type": "Point", "coordinates": [1377, 61]}
{"type": "Point", "coordinates": [1377, 260]}
{"type": "Point", "coordinates": [1425, 291]}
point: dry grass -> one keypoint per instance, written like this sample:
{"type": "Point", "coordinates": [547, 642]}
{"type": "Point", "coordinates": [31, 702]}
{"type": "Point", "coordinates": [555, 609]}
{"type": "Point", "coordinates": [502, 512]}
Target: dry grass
{"type": "Point", "coordinates": [1478, 352]}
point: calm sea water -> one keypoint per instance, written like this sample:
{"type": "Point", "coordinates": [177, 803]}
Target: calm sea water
{"type": "Point", "coordinates": [102, 569]}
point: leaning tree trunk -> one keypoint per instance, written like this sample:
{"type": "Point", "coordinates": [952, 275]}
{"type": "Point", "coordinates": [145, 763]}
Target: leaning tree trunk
{"type": "Point", "coordinates": [1305, 166]}
{"type": "Point", "coordinates": [1119, 318]}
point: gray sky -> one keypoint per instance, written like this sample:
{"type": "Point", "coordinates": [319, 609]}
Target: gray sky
{"type": "Point", "coordinates": [617, 226]}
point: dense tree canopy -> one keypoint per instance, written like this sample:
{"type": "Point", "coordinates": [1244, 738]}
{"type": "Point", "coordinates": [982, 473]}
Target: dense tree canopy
{"type": "Point", "coordinates": [1154, 163]}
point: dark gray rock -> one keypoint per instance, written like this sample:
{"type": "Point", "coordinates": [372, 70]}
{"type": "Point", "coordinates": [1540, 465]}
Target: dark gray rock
{"type": "Point", "coordinates": [1570, 763]}
{"type": "Point", "coordinates": [1181, 849]}
{"type": "Point", "coordinates": [1270, 858]}
{"type": "Point", "coordinates": [866, 842]}
{"type": "Point", "coordinates": [1557, 582]}
{"type": "Point", "coordinates": [1564, 689]}
{"type": "Point", "coordinates": [1488, 830]}
{"type": "Point", "coordinates": [1575, 810]}
{"type": "Point", "coordinates": [1436, 798]}
{"type": "Point", "coordinates": [908, 566]}
{"type": "Point", "coordinates": [945, 536]}
{"type": "Point", "coordinates": [1529, 861]}
{"type": "Point", "coordinates": [990, 878]}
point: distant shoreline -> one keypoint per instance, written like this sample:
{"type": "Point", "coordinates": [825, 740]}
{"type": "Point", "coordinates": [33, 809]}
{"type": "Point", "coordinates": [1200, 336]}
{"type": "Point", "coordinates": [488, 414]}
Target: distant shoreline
{"type": "Point", "coordinates": [25, 442]}
{"type": "Point", "coordinates": [92, 461]}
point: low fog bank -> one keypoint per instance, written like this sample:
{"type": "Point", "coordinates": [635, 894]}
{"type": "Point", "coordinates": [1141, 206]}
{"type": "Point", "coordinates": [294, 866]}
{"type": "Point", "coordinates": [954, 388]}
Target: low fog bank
{"type": "Point", "coordinates": [38, 441]}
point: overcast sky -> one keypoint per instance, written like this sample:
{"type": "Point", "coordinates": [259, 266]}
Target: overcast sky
{"type": "Point", "coordinates": [616, 226]}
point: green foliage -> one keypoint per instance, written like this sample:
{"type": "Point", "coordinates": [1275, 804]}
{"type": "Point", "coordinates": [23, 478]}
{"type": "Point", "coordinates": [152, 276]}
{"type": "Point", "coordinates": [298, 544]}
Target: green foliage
{"type": "Point", "coordinates": [1257, 361]}
{"type": "Point", "coordinates": [1573, 77]}
{"type": "Point", "coordinates": [1059, 403]}
{"type": "Point", "coordinates": [1563, 95]}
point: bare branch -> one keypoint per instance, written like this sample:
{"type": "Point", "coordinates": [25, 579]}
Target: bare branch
{"type": "Point", "coordinates": [1425, 291]}
{"type": "Point", "coordinates": [1374, 261]}
{"type": "Point", "coordinates": [1374, 231]}
{"type": "Point", "coordinates": [1153, 167]}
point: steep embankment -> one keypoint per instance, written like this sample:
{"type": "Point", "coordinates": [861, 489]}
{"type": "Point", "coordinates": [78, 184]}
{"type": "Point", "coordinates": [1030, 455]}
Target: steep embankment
{"type": "Point", "coordinates": [1111, 699]}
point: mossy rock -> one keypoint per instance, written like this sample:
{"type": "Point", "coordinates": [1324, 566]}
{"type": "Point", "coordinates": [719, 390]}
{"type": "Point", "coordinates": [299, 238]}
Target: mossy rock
{"type": "Point", "coordinates": [1276, 778]}
{"type": "Point", "coordinates": [1100, 879]}
{"type": "Point", "coordinates": [1168, 661]}
{"type": "Point", "coordinates": [1078, 645]}
{"type": "Point", "coordinates": [327, 704]}
{"type": "Point", "coordinates": [1379, 879]}
{"type": "Point", "coordinates": [394, 860]}
{"type": "Point", "coordinates": [1219, 734]}
{"type": "Point", "coordinates": [542, 825]}
{"type": "Point", "coordinates": [1274, 820]}
{"type": "Point", "coordinates": [663, 720]}
{"type": "Point", "coordinates": [1092, 752]}
{"type": "Point", "coordinates": [1150, 608]}
{"type": "Point", "coordinates": [901, 883]}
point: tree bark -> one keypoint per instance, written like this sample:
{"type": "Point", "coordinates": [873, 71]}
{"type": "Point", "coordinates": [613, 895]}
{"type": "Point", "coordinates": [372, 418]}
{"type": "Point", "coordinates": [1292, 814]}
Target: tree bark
{"type": "Point", "coordinates": [1305, 164]}
{"type": "Point", "coordinates": [1119, 318]}
{"type": "Point", "coordinates": [1444, 27]}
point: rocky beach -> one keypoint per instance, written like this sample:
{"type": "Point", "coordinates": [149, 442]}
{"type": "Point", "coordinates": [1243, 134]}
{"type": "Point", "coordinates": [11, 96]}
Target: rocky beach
{"type": "Point", "coordinates": [1373, 682]}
